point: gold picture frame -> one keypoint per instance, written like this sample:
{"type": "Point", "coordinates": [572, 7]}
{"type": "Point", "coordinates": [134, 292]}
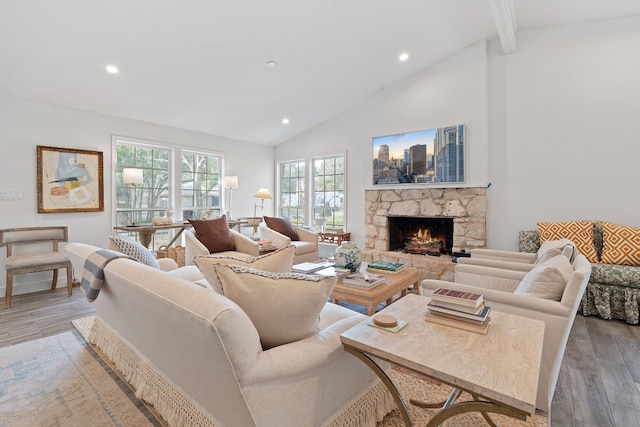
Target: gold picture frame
{"type": "Point", "coordinates": [69, 180]}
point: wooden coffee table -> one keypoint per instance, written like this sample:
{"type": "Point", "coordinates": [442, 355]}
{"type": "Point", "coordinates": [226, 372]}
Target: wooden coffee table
{"type": "Point", "coordinates": [500, 369]}
{"type": "Point", "coordinates": [393, 284]}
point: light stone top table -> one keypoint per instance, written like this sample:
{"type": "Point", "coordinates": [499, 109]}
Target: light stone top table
{"type": "Point", "coordinates": [501, 366]}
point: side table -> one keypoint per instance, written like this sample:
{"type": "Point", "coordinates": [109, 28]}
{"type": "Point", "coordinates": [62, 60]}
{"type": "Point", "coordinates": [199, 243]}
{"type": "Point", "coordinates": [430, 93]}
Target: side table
{"type": "Point", "coordinates": [337, 238]}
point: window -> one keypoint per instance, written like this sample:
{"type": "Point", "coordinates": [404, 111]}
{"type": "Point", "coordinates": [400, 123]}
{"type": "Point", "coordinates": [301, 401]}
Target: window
{"type": "Point", "coordinates": [185, 181]}
{"type": "Point", "coordinates": [200, 184]}
{"type": "Point", "coordinates": [292, 191]}
{"type": "Point", "coordinates": [328, 192]}
{"type": "Point", "coordinates": [152, 196]}
{"type": "Point", "coordinates": [326, 206]}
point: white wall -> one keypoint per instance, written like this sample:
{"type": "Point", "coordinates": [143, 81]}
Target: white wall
{"type": "Point", "coordinates": [552, 126]}
{"type": "Point", "coordinates": [454, 91]}
{"type": "Point", "coordinates": [24, 124]}
{"type": "Point", "coordinates": [564, 140]}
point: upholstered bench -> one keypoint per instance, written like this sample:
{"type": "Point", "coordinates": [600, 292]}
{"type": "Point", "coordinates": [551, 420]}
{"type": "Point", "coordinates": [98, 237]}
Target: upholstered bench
{"type": "Point", "coordinates": [613, 291]}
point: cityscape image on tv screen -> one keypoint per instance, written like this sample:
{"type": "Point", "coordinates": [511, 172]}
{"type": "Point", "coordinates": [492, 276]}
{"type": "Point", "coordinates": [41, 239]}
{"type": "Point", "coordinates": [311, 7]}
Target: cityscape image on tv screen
{"type": "Point", "coordinates": [420, 157]}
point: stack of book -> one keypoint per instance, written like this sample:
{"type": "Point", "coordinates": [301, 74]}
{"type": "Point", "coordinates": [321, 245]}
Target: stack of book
{"type": "Point", "coordinates": [363, 280]}
{"type": "Point", "coordinates": [385, 267]}
{"type": "Point", "coordinates": [463, 310]}
{"type": "Point", "coordinates": [266, 245]}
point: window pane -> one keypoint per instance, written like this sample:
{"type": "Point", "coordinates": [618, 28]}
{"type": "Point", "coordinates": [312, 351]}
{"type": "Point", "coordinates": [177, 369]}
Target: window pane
{"type": "Point", "coordinates": [292, 195]}
{"type": "Point", "coordinates": [201, 178]}
{"type": "Point", "coordinates": [328, 192]}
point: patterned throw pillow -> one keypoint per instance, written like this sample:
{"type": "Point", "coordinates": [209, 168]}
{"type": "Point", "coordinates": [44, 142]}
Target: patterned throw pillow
{"type": "Point", "coordinates": [579, 232]}
{"type": "Point", "coordinates": [135, 250]}
{"type": "Point", "coordinates": [279, 261]}
{"type": "Point", "coordinates": [284, 307]}
{"type": "Point", "coordinates": [621, 244]}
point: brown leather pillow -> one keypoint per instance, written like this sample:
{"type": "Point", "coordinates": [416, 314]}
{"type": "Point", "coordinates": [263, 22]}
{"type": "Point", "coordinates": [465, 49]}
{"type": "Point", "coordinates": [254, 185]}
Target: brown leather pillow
{"type": "Point", "coordinates": [282, 225]}
{"type": "Point", "coordinates": [215, 234]}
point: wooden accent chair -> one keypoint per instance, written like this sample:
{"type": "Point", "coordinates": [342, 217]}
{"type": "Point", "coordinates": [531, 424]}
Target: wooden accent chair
{"type": "Point", "coordinates": [33, 262]}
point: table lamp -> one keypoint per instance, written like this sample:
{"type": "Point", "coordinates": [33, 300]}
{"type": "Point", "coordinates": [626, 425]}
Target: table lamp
{"type": "Point", "coordinates": [261, 194]}
{"type": "Point", "coordinates": [132, 176]}
{"type": "Point", "coordinates": [230, 182]}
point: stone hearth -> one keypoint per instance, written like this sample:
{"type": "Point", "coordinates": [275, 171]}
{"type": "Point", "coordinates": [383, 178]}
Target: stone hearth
{"type": "Point", "coordinates": [467, 207]}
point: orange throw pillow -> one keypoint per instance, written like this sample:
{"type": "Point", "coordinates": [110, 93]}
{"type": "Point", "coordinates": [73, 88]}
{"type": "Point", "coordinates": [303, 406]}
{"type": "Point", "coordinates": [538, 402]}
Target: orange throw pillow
{"type": "Point", "coordinates": [579, 232]}
{"type": "Point", "coordinates": [621, 244]}
{"type": "Point", "coordinates": [215, 234]}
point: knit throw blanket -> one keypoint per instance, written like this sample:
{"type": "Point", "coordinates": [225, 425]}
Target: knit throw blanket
{"type": "Point", "coordinates": [93, 274]}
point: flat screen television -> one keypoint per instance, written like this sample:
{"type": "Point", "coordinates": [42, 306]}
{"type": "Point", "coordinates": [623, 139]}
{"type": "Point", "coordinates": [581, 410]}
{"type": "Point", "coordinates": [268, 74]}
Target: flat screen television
{"type": "Point", "coordinates": [432, 156]}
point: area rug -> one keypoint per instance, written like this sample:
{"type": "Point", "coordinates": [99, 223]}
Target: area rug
{"type": "Point", "coordinates": [60, 381]}
{"type": "Point", "coordinates": [413, 386]}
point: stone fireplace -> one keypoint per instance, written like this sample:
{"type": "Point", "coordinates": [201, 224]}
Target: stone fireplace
{"type": "Point", "coordinates": [466, 208]}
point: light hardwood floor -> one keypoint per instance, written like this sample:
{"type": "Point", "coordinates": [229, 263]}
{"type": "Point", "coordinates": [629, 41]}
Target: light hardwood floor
{"type": "Point", "coordinates": [599, 383]}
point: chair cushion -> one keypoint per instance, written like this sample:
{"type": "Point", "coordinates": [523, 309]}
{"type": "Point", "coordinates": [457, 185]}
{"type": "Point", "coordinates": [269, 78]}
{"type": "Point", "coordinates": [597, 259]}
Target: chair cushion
{"type": "Point", "coordinates": [284, 307]}
{"type": "Point", "coordinates": [621, 244]}
{"type": "Point", "coordinates": [282, 225]}
{"type": "Point", "coordinates": [279, 261]}
{"type": "Point", "coordinates": [551, 248]}
{"type": "Point", "coordinates": [547, 280]}
{"type": "Point", "coordinates": [303, 247]}
{"type": "Point", "coordinates": [34, 260]}
{"type": "Point", "coordinates": [579, 232]}
{"type": "Point", "coordinates": [215, 234]}
{"type": "Point", "coordinates": [135, 250]}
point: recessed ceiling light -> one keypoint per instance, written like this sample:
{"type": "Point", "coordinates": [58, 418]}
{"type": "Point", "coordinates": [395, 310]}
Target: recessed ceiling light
{"type": "Point", "coordinates": [403, 56]}
{"type": "Point", "coordinates": [285, 121]}
{"type": "Point", "coordinates": [272, 64]}
{"type": "Point", "coordinates": [112, 69]}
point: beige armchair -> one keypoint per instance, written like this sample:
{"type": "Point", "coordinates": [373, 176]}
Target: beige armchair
{"type": "Point", "coordinates": [500, 289]}
{"type": "Point", "coordinates": [306, 245]}
{"type": "Point", "coordinates": [244, 246]}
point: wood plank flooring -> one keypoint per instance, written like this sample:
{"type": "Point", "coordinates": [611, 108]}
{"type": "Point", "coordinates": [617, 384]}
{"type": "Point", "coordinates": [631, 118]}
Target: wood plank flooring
{"type": "Point", "coordinates": [598, 386]}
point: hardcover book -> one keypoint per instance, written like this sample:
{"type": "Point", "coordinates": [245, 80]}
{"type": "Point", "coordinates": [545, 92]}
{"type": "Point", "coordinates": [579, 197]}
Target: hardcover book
{"type": "Point", "coordinates": [482, 316]}
{"type": "Point", "coordinates": [457, 297]}
{"type": "Point", "coordinates": [458, 307]}
{"type": "Point", "coordinates": [310, 267]}
{"type": "Point", "coordinates": [386, 266]}
{"type": "Point", "coordinates": [479, 329]}
{"type": "Point", "coordinates": [363, 280]}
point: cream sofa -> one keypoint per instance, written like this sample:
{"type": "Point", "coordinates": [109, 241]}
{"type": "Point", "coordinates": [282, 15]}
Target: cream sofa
{"type": "Point", "coordinates": [196, 356]}
{"type": "Point", "coordinates": [498, 286]}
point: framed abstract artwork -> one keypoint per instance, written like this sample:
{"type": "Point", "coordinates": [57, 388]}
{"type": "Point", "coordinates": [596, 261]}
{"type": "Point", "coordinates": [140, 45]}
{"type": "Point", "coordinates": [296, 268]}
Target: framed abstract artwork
{"type": "Point", "coordinates": [69, 180]}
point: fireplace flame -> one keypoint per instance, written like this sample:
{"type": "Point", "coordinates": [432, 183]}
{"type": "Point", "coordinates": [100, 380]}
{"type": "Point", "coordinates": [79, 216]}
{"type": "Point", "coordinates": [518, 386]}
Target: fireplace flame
{"type": "Point", "coordinates": [422, 242]}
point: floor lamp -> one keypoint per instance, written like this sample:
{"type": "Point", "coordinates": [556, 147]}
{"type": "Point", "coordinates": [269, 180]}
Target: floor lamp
{"type": "Point", "coordinates": [132, 176]}
{"type": "Point", "coordinates": [261, 194]}
{"type": "Point", "coordinates": [230, 182]}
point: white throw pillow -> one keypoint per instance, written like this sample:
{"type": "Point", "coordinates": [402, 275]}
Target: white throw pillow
{"type": "Point", "coordinates": [547, 280]}
{"type": "Point", "coordinates": [551, 248]}
{"type": "Point", "coordinates": [135, 250]}
{"type": "Point", "coordinates": [284, 307]}
{"type": "Point", "coordinates": [279, 261]}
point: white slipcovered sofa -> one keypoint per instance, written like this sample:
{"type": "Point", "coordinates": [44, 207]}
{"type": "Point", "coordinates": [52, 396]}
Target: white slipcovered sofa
{"type": "Point", "coordinates": [196, 356]}
{"type": "Point", "coordinates": [499, 288]}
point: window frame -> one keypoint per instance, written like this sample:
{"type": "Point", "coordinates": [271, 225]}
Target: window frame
{"type": "Point", "coordinates": [309, 188]}
{"type": "Point", "coordinates": [174, 185]}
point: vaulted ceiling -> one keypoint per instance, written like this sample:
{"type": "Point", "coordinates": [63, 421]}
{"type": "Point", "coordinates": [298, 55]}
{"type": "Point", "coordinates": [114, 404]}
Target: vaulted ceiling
{"type": "Point", "coordinates": [202, 65]}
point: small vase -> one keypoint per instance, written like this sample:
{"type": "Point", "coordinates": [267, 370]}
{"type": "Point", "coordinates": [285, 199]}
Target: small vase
{"type": "Point", "coordinates": [348, 256]}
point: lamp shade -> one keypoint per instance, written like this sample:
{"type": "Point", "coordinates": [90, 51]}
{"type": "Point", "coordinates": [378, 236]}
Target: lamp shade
{"type": "Point", "coordinates": [131, 176]}
{"type": "Point", "coordinates": [230, 181]}
{"type": "Point", "coordinates": [263, 194]}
